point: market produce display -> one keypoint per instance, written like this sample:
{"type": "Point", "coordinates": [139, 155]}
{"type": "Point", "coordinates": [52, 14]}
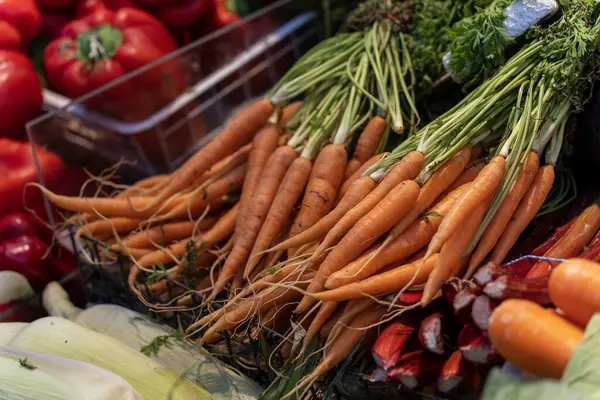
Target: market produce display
{"type": "Point", "coordinates": [357, 227]}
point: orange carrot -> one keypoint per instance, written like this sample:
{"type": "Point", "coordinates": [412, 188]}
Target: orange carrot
{"type": "Point", "coordinates": [432, 189]}
{"type": "Point", "coordinates": [111, 207]}
{"type": "Point", "coordinates": [248, 308]}
{"type": "Point", "coordinates": [348, 313]}
{"type": "Point", "coordinates": [367, 144]}
{"type": "Point", "coordinates": [288, 274]}
{"type": "Point", "coordinates": [342, 346]}
{"type": "Point", "coordinates": [385, 282]}
{"type": "Point", "coordinates": [263, 145]}
{"type": "Point", "coordinates": [574, 287]}
{"type": "Point", "coordinates": [418, 235]}
{"type": "Point", "coordinates": [572, 243]}
{"type": "Point", "coordinates": [357, 191]}
{"type": "Point", "coordinates": [364, 233]}
{"type": "Point", "coordinates": [325, 312]}
{"type": "Point", "coordinates": [505, 212]}
{"type": "Point", "coordinates": [533, 338]}
{"type": "Point", "coordinates": [357, 174]}
{"type": "Point", "coordinates": [528, 207]}
{"type": "Point", "coordinates": [406, 169]}
{"type": "Point", "coordinates": [167, 233]}
{"type": "Point", "coordinates": [288, 112]}
{"type": "Point", "coordinates": [212, 194]}
{"type": "Point", "coordinates": [105, 228]}
{"type": "Point", "coordinates": [239, 132]}
{"type": "Point", "coordinates": [468, 175]}
{"type": "Point", "coordinates": [262, 199]}
{"type": "Point", "coordinates": [289, 192]}
{"type": "Point", "coordinates": [482, 187]}
{"type": "Point", "coordinates": [322, 187]}
{"type": "Point", "coordinates": [224, 166]}
{"type": "Point", "coordinates": [453, 252]}
{"type": "Point", "coordinates": [220, 231]}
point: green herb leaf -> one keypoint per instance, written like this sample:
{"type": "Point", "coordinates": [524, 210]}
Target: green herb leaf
{"type": "Point", "coordinates": [152, 348]}
{"type": "Point", "coordinates": [429, 214]}
{"type": "Point", "coordinates": [158, 274]}
{"type": "Point", "coordinates": [273, 270]}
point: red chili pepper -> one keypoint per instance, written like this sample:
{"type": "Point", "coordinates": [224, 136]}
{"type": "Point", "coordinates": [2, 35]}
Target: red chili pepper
{"type": "Point", "coordinates": [24, 18]}
{"type": "Point", "coordinates": [20, 93]}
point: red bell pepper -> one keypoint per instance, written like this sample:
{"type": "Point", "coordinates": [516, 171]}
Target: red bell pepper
{"type": "Point", "coordinates": [20, 93]}
{"type": "Point", "coordinates": [87, 7]}
{"type": "Point", "coordinates": [219, 16]}
{"type": "Point", "coordinates": [24, 249]}
{"type": "Point", "coordinates": [53, 21]}
{"type": "Point", "coordinates": [105, 45]}
{"type": "Point", "coordinates": [26, 255]}
{"type": "Point", "coordinates": [21, 21]}
{"type": "Point", "coordinates": [183, 14]}
{"type": "Point", "coordinates": [17, 168]}
{"type": "Point", "coordinates": [57, 4]}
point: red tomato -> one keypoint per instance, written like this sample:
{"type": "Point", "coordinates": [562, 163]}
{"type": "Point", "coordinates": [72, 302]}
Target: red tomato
{"type": "Point", "coordinates": [20, 93]}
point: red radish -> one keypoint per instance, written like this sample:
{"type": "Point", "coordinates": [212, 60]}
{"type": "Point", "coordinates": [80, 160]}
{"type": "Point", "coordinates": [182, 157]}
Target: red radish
{"type": "Point", "coordinates": [481, 311]}
{"type": "Point", "coordinates": [479, 351]}
{"type": "Point", "coordinates": [453, 373]}
{"type": "Point", "coordinates": [592, 252]}
{"type": "Point", "coordinates": [410, 298]}
{"type": "Point", "coordinates": [388, 346]}
{"type": "Point", "coordinates": [378, 375]}
{"type": "Point", "coordinates": [430, 333]}
{"type": "Point", "coordinates": [468, 334]}
{"type": "Point", "coordinates": [547, 245]}
{"type": "Point", "coordinates": [463, 302]}
{"type": "Point", "coordinates": [507, 287]}
{"type": "Point", "coordinates": [449, 293]}
{"type": "Point", "coordinates": [487, 273]}
{"type": "Point", "coordinates": [25, 255]}
{"type": "Point", "coordinates": [491, 271]}
{"type": "Point", "coordinates": [418, 371]}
